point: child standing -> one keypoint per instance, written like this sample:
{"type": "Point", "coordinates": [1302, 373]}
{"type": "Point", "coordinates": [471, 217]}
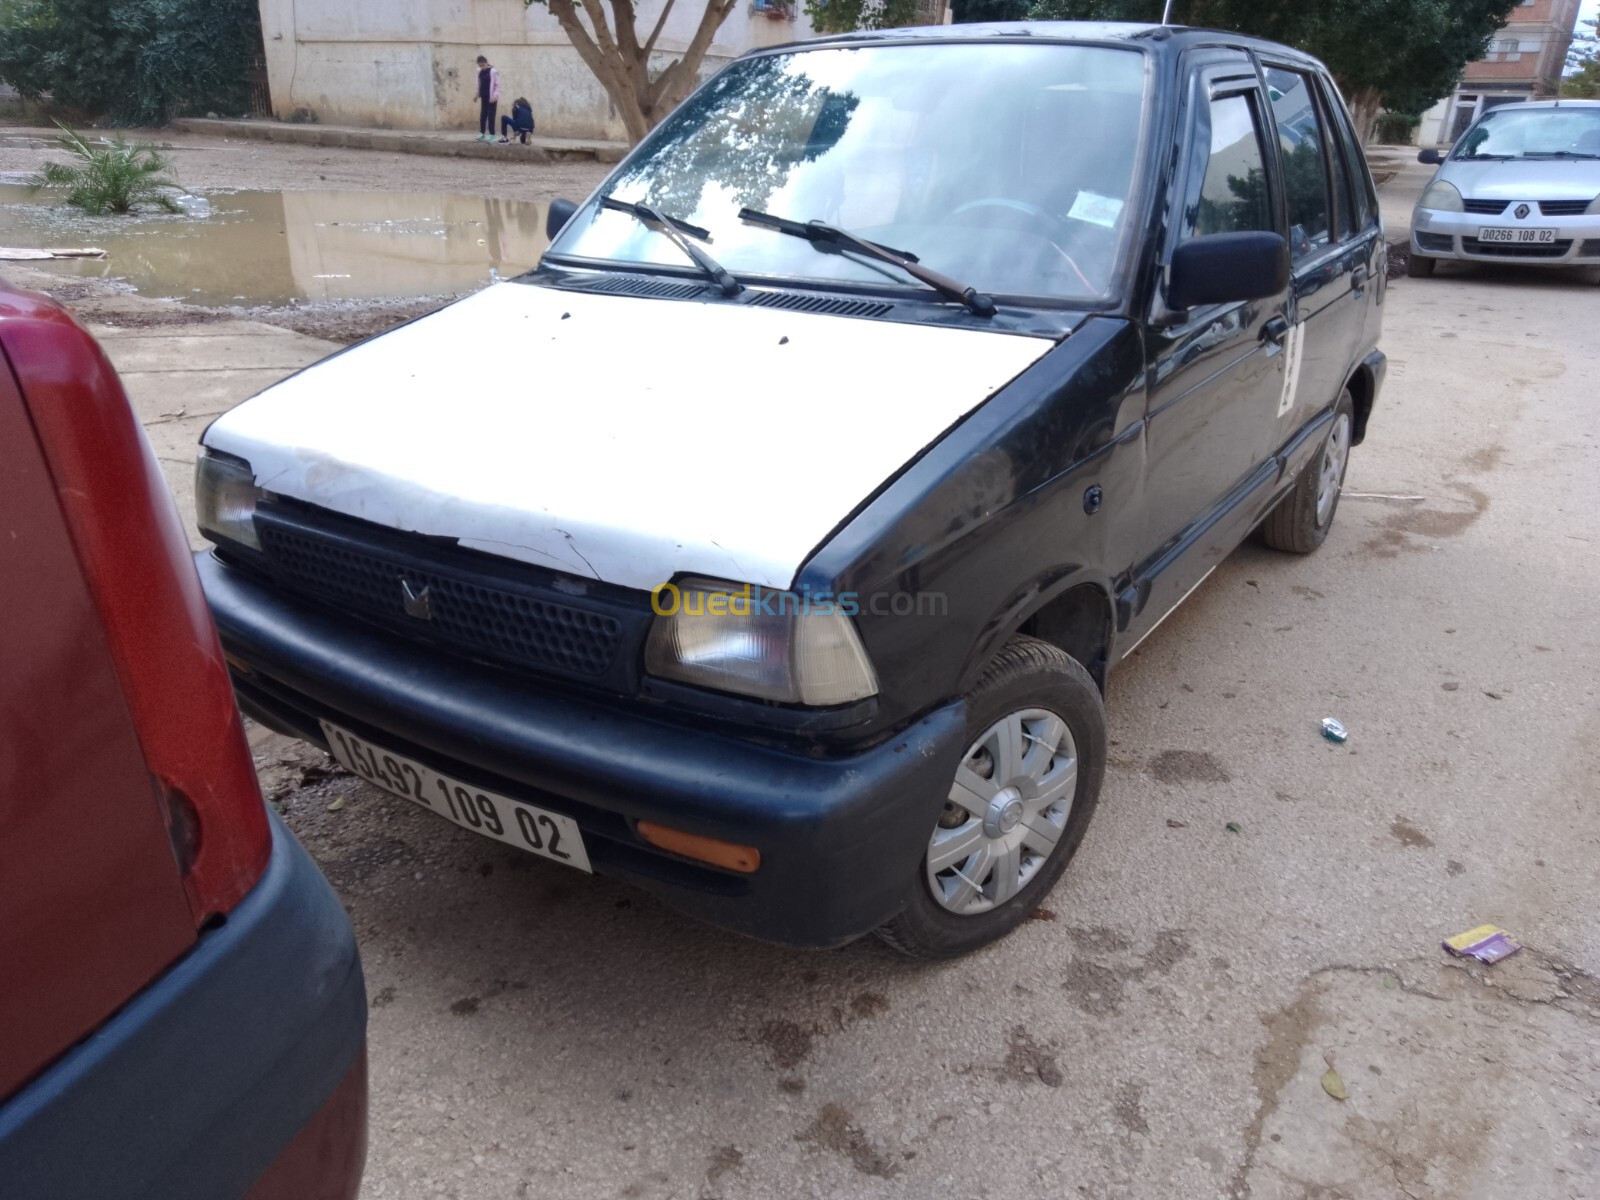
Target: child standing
{"type": "Point", "coordinates": [488, 98]}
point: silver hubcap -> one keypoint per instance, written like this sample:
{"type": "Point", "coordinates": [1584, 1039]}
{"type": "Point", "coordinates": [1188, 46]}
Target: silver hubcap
{"type": "Point", "coordinates": [1331, 476]}
{"type": "Point", "coordinates": [1007, 809]}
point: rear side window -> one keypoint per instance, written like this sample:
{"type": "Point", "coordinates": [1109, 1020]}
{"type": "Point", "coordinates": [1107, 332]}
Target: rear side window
{"type": "Point", "coordinates": [1233, 196]}
{"type": "Point", "coordinates": [1355, 165]}
{"type": "Point", "coordinates": [1302, 148]}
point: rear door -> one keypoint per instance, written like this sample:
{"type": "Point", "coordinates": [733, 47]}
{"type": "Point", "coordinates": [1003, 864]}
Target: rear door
{"type": "Point", "coordinates": [91, 903]}
{"type": "Point", "coordinates": [1216, 373]}
{"type": "Point", "coordinates": [1330, 247]}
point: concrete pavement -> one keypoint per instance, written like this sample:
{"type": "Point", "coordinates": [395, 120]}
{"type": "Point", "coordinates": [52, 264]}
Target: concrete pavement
{"type": "Point", "coordinates": [1404, 181]}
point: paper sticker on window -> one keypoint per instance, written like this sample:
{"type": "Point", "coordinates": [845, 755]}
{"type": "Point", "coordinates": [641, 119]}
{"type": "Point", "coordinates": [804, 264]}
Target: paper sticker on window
{"type": "Point", "coordinates": [1097, 210]}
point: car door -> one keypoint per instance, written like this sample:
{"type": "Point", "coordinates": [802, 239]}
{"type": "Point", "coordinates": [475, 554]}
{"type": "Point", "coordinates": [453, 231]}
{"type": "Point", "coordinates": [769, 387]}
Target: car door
{"type": "Point", "coordinates": [1330, 253]}
{"type": "Point", "coordinates": [1216, 373]}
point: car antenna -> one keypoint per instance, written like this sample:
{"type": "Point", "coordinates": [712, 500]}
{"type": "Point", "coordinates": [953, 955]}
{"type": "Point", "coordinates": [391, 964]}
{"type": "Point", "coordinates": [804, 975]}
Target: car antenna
{"type": "Point", "coordinates": [1166, 14]}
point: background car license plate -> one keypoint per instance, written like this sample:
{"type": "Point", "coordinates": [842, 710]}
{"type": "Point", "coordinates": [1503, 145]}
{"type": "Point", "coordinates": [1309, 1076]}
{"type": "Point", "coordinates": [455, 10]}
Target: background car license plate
{"type": "Point", "coordinates": [1518, 236]}
{"type": "Point", "coordinates": [494, 816]}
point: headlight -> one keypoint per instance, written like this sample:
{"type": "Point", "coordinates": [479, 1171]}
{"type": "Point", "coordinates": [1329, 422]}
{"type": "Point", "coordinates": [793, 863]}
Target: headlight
{"type": "Point", "coordinates": [225, 495]}
{"type": "Point", "coordinates": [1594, 208]}
{"type": "Point", "coordinates": [1442, 197]}
{"type": "Point", "coordinates": [757, 642]}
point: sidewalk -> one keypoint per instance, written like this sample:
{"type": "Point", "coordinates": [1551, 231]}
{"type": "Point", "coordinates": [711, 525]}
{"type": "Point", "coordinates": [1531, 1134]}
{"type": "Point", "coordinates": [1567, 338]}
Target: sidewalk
{"type": "Point", "coordinates": [410, 141]}
{"type": "Point", "coordinates": [1398, 194]}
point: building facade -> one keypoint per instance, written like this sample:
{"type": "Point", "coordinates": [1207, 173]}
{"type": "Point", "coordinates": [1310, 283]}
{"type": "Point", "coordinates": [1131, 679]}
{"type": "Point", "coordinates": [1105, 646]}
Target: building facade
{"type": "Point", "coordinates": [410, 64]}
{"type": "Point", "coordinates": [1524, 62]}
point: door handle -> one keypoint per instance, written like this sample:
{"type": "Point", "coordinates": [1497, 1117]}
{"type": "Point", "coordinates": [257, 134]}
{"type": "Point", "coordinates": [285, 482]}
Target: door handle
{"type": "Point", "coordinates": [1275, 330]}
{"type": "Point", "coordinates": [1358, 280]}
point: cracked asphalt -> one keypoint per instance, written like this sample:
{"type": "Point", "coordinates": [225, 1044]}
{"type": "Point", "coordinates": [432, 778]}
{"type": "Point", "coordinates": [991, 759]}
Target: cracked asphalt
{"type": "Point", "coordinates": [1164, 1025]}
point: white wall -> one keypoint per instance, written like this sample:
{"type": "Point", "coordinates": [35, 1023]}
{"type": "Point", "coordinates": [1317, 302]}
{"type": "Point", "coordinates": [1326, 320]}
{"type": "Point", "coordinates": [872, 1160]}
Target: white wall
{"type": "Point", "coordinates": [410, 64]}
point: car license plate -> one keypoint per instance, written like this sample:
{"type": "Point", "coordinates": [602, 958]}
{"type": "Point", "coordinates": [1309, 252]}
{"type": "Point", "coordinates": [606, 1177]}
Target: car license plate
{"type": "Point", "coordinates": [1517, 236]}
{"type": "Point", "coordinates": [535, 830]}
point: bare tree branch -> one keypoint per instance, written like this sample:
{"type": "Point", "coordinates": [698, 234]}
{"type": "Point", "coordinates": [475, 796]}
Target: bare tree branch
{"type": "Point", "coordinates": [661, 21]}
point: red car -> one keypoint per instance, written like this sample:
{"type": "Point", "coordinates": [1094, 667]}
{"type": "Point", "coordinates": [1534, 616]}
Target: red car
{"type": "Point", "coordinates": [182, 1010]}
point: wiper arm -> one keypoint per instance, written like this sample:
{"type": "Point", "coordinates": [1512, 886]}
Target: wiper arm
{"type": "Point", "coordinates": [824, 236]}
{"type": "Point", "coordinates": [673, 230]}
{"type": "Point", "coordinates": [1559, 154]}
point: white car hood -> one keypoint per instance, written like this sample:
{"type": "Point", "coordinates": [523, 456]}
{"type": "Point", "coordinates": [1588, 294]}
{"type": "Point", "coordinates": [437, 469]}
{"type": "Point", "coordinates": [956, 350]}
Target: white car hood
{"type": "Point", "coordinates": [619, 438]}
{"type": "Point", "coordinates": [1525, 179]}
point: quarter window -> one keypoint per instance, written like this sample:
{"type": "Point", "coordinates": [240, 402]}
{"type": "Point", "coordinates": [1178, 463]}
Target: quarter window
{"type": "Point", "coordinates": [1302, 149]}
{"type": "Point", "coordinates": [1233, 196]}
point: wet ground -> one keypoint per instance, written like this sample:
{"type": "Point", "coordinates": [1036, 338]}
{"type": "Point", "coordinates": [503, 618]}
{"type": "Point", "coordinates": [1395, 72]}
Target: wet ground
{"type": "Point", "coordinates": [335, 244]}
{"type": "Point", "coordinates": [278, 248]}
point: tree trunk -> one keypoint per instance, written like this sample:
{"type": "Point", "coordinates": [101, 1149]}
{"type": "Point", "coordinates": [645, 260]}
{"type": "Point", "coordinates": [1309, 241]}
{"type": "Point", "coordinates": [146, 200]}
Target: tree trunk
{"type": "Point", "coordinates": [1364, 106]}
{"type": "Point", "coordinates": [613, 53]}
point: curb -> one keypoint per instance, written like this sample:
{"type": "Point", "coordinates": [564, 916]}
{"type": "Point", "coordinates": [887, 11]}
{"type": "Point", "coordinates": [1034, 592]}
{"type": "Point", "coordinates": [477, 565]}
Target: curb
{"type": "Point", "coordinates": [547, 150]}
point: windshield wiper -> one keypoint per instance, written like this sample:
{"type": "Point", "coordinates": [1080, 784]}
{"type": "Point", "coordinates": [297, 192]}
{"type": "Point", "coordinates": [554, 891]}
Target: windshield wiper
{"type": "Point", "coordinates": [1559, 154]}
{"type": "Point", "coordinates": [674, 230]}
{"type": "Point", "coordinates": [831, 238]}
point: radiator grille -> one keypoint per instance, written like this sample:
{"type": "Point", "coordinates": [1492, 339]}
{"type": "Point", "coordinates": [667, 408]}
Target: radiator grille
{"type": "Point", "coordinates": [1511, 250]}
{"type": "Point", "coordinates": [467, 611]}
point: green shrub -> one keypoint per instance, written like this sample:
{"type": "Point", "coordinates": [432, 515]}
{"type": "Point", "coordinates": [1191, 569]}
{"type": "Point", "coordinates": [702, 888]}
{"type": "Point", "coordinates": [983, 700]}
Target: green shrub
{"type": "Point", "coordinates": [113, 176]}
{"type": "Point", "coordinates": [138, 62]}
{"type": "Point", "coordinates": [1395, 129]}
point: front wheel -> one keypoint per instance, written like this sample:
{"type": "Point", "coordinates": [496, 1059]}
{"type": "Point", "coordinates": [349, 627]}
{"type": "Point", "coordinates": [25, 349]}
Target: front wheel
{"type": "Point", "coordinates": [1301, 520]}
{"type": "Point", "coordinates": [1017, 807]}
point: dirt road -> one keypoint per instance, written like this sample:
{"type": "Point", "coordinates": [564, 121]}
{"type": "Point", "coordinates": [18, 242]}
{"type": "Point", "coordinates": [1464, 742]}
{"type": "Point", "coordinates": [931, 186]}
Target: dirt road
{"type": "Point", "coordinates": [1163, 1027]}
{"type": "Point", "coordinates": [1162, 1030]}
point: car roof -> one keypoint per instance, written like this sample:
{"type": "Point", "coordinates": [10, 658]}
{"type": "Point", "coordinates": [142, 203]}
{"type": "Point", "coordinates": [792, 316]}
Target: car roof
{"type": "Point", "coordinates": [1558, 103]}
{"type": "Point", "coordinates": [1158, 39]}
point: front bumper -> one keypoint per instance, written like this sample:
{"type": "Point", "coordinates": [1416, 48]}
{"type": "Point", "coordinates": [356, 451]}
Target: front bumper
{"type": "Point", "coordinates": [1453, 235]}
{"type": "Point", "coordinates": [841, 837]}
{"type": "Point", "coordinates": [206, 1081]}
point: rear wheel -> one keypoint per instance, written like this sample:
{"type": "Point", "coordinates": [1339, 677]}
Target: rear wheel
{"type": "Point", "coordinates": [1418, 267]}
{"type": "Point", "coordinates": [1017, 807]}
{"type": "Point", "coordinates": [1301, 520]}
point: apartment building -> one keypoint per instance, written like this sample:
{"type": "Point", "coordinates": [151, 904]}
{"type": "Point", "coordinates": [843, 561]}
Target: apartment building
{"type": "Point", "coordinates": [1524, 62]}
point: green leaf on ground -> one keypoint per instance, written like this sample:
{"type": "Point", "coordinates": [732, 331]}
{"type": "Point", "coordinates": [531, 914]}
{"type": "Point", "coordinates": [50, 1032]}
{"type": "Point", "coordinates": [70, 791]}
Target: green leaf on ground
{"type": "Point", "coordinates": [1333, 1084]}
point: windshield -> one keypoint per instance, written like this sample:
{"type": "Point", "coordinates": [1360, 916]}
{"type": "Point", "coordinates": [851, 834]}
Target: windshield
{"type": "Point", "coordinates": [1513, 132]}
{"type": "Point", "coordinates": [1007, 167]}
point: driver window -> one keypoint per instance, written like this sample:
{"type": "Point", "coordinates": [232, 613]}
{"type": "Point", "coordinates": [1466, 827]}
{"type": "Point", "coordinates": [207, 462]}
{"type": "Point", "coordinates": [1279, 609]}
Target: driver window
{"type": "Point", "coordinates": [1233, 195]}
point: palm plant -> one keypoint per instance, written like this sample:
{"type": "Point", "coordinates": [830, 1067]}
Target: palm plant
{"type": "Point", "coordinates": [111, 176]}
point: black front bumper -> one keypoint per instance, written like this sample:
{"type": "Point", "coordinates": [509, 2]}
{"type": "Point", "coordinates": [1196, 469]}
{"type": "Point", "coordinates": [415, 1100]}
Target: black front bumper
{"type": "Point", "coordinates": [841, 838]}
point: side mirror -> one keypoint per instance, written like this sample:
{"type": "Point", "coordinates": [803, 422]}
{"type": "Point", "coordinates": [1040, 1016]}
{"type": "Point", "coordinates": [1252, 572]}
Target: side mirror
{"type": "Point", "coordinates": [1225, 268]}
{"type": "Point", "coordinates": [559, 213]}
{"type": "Point", "coordinates": [1429, 156]}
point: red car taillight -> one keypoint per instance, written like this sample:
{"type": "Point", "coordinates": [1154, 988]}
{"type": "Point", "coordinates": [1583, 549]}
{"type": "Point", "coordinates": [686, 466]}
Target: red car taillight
{"type": "Point", "coordinates": [130, 541]}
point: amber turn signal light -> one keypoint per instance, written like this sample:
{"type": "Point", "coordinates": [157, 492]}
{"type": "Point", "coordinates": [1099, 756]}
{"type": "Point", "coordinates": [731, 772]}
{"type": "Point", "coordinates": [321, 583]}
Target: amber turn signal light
{"type": "Point", "coordinates": [728, 855]}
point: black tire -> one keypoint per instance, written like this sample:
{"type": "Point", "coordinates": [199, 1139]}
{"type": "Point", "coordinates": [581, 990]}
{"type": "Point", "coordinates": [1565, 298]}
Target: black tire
{"type": "Point", "coordinates": [1293, 525]}
{"type": "Point", "coordinates": [1027, 673]}
{"type": "Point", "coordinates": [1419, 267]}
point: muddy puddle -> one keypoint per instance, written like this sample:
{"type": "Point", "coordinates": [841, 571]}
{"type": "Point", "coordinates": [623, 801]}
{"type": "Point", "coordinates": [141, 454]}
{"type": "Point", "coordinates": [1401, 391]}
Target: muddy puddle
{"type": "Point", "coordinates": [275, 248]}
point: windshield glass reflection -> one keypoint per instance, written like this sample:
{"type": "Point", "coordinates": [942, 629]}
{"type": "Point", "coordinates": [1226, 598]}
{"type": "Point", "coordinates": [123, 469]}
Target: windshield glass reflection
{"type": "Point", "coordinates": [1008, 167]}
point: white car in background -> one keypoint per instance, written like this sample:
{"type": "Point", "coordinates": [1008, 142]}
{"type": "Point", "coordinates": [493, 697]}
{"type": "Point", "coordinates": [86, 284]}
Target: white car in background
{"type": "Point", "coordinates": [1521, 186]}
